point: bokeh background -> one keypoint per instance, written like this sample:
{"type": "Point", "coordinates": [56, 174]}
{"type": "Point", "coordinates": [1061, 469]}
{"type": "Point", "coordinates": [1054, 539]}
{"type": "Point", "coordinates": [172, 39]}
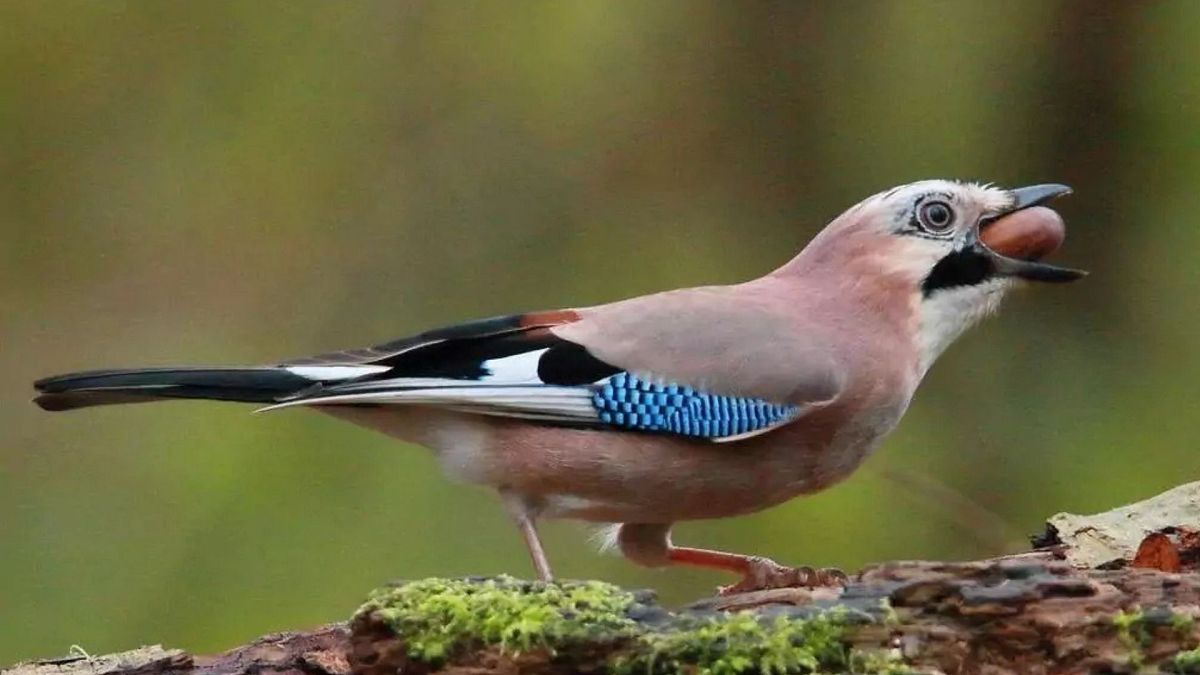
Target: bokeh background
{"type": "Point", "coordinates": [238, 182]}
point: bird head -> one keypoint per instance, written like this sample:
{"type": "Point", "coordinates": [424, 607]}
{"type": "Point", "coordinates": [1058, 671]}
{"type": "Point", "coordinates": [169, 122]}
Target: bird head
{"type": "Point", "coordinates": [948, 250]}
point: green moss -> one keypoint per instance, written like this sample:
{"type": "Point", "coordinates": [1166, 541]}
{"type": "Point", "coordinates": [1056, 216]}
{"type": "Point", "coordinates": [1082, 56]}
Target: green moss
{"type": "Point", "coordinates": [1184, 663]}
{"type": "Point", "coordinates": [742, 643]}
{"type": "Point", "coordinates": [1137, 630]}
{"type": "Point", "coordinates": [1132, 634]}
{"type": "Point", "coordinates": [1182, 624]}
{"type": "Point", "coordinates": [439, 616]}
{"type": "Point", "coordinates": [891, 618]}
{"type": "Point", "coordinates": [739, 643]}
{"type": "Point", "coordinates": [878, 662]}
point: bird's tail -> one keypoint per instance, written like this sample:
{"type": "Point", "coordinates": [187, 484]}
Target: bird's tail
{"type": "Point", "coordinates": [139, 385]}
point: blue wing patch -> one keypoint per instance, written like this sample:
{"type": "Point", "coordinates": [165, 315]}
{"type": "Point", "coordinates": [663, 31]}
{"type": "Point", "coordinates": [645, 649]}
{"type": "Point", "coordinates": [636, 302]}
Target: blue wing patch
{"type": "Point", "coordinates": [630, 402]}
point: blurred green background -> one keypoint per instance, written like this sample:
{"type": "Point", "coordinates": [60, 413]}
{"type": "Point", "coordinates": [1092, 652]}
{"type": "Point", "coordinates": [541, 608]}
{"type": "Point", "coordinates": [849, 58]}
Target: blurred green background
{"type": "Point", "coordinates": [223, 182]}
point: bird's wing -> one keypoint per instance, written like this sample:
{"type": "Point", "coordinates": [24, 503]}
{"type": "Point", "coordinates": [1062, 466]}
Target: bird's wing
{"type": "Point", "coordinates": [746, 340]}
{"type": "Point", "coordinates": [496, 326]}
{"type": "Point", "coordinates": [672, 363]}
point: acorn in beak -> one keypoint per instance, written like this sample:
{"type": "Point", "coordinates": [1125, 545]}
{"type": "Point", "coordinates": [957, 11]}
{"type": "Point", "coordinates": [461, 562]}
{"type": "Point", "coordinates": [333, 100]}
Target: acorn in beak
{"type": "Point", "coordinates": [1015, 240]}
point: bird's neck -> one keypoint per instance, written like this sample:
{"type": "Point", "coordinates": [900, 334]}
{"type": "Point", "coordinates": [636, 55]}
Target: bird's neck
{"type": "Point", "coordinates": [948, 313]}
{"type": "Point", "coordinates": [853, 280]}
{"type": "Point", "coordinates": [872, 314]}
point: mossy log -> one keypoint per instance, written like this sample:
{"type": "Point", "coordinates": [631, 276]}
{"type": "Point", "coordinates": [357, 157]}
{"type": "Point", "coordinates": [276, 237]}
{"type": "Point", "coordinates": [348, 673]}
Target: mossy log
{"type": "Point", "coordinates": [1118, 593]}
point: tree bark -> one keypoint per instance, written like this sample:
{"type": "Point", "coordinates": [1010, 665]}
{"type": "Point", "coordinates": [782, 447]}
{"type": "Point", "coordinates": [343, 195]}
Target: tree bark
{"type": "Point", "coordinates": [1117, 592]}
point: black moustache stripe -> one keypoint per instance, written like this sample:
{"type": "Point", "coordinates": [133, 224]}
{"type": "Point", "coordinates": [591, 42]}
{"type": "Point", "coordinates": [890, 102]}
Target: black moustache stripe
{"type": "Point", "coordinates": [965, 267]}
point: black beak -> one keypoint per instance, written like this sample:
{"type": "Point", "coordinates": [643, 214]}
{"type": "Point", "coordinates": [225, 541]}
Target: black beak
{"type": "Point", "coordinates": [1036, 195]}
{"type": "Point", "coordinates": [1023, 198]}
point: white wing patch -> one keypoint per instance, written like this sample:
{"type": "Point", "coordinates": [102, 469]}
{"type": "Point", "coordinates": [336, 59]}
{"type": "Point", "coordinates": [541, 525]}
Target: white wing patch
{"type": "Point", "coordinates": [328, 373]}
{"type": "Point", "coordinates": [516, 369]}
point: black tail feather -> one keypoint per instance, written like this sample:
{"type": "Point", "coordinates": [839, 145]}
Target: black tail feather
{"type": "Point", "coordinates": [107, 387]}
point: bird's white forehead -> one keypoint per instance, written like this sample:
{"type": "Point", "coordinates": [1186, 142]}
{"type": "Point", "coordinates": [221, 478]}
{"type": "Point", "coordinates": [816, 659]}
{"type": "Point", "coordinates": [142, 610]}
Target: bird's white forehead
{"type": "Point", "coordinates": [984, 196]}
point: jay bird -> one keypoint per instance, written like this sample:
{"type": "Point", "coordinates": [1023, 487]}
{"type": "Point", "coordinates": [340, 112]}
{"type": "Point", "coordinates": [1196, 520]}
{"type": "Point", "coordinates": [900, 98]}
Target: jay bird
{"type": "Point", "coordinates": [688, 404]}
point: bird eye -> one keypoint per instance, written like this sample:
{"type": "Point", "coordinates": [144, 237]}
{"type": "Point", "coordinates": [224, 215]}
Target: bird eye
{"type": "Point", "coordinates": [936, 216]}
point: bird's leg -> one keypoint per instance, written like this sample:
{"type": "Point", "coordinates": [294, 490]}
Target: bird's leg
{"type": "Point", "coordinates": [525, 516]}
{"type": "Point", "coordinates": [757, 572]}
{"type": "Point", "coordinates": [650, 544]}
{"type": "Point", "coordinates": [540, 564]}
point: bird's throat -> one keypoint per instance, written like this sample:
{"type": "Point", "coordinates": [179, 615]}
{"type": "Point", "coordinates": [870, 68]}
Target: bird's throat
{"type": "Point", "coordinates": [965, 267]}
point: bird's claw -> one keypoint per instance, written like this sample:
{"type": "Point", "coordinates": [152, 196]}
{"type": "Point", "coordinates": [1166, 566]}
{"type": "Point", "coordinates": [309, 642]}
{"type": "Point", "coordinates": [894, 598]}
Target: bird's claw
{"type": "Point", "coordinates": [764, 574]}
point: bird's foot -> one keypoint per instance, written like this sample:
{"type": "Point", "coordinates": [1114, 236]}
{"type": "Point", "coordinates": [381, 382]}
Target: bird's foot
{"type": "Point", "coordinates": [764, 573]}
